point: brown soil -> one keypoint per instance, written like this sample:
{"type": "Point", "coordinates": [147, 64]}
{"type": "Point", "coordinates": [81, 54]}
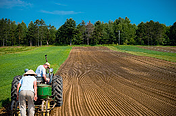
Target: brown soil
{"type": "Point", "coordinates": [161, 49]}
{"type": "Point", "coordinates": [101, 82]}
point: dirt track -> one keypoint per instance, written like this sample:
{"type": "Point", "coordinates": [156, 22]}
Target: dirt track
{"type": "Point", "coordinates": [98, 82]}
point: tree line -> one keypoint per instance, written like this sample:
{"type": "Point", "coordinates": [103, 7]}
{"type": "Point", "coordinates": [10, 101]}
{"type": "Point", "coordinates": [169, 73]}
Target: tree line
{"type": "Point", "coordinates": [120, 31]}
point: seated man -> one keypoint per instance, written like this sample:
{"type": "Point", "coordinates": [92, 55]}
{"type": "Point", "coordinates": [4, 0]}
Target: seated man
{"type": "Point", "coordinates": [41, 71]}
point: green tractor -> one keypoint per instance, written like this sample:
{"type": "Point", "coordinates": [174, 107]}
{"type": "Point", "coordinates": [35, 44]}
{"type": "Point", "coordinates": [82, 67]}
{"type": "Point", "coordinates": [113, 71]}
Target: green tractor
{"type": "Point", "coordinates": [49, 95]}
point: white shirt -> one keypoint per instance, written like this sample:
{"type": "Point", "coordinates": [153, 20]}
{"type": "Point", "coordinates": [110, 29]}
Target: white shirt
{"type": "Point", "coordinates": [40, 71]}
{"type": "Point", "coordinates": [27, 83]}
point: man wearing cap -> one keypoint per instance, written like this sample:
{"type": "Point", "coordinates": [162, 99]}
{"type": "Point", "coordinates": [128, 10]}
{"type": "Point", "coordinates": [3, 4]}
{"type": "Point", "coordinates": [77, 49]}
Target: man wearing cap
{"type": "Point", "coordinates": [41, 71]}
{"type": "Point", "coordinates": [27, 91]}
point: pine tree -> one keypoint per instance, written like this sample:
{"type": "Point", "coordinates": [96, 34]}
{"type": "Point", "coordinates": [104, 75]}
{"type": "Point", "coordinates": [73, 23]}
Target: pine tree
{"type": "Point", "coordinates": [172, 34]}
{"type": "Point", "coordinates": [31, 32]}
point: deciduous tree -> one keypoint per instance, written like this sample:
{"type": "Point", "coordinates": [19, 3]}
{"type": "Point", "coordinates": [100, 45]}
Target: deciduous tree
{"type": "Point", "coordinates": [89, 31]}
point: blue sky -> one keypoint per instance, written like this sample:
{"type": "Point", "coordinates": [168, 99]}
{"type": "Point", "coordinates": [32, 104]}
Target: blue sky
{"type": "Point", "coordinates": [55, 12]}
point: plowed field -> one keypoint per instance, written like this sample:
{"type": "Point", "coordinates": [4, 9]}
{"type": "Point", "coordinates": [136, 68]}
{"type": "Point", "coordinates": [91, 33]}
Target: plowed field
{"type": "Point", "coordinates": [101, 82]}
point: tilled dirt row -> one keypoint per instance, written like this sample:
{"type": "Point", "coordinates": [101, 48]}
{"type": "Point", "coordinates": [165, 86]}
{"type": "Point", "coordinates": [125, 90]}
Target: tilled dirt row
{"type": "Point", "coordinates": [161, 49]}
{"type": "Point", "coordinates": [101, 82]}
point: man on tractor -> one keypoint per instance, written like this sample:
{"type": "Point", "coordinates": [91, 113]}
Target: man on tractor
{"type": "Point", "coordinates": [41, 71]}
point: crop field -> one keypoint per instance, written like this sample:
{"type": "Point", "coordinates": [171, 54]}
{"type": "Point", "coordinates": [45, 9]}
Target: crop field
{"type": "Point", "coordinates": [103, 81]}
{"type": "Point", "coordinates": [98, 81]}
{"type": "Point", "coordinates": [14, 60]}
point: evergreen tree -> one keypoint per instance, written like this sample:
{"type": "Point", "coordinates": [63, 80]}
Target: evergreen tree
{"type": "Point", "coordinates": [42, 30]}
{"type": "Point", "coordinates": [61, 37]}
{"type": "Point", "coordinates": [166, 35]}
{"type": "Point", "coordinates": [140, 33]}
{"type": "Point", "coordinates": [67, 32]}
{"type": "Point", "coordinates": [151, 33]}
{"type": "Point", "coordinates": [5, 31]}
{"type": "Point", "coordinates": [19, 33]}
{"type": "Point", "coordinates": [12, 33]}
{"type": "Point", "coordinates": [2, 31]}
{"type": "Point", "coordinates": [120, 31]}
{"type": "Point", "coordinates": [109, 34]}
{"type": "Point", "coordinates": [97, 33]}
{"type": "Point", "coordinates": [36, 25]}
{"type": "Point", "coordinates": [81, 35]}
{"type": "Point", "coordinates": [172, 35]}
{"type": "Point", "coordinates": [24, 40]}
{"type": "Point", "coordinates": [52, 35]}
{"type": "Point", "coordinates": [31, 32]}
{"type": "Point", "coordinates": [70, 26]}
{"type": "Point", "coordinates": [117, 27]}
{"type": "Point", "coordinates": [8, 38]}
{"type": "Point", "coordinates": [127, 31]}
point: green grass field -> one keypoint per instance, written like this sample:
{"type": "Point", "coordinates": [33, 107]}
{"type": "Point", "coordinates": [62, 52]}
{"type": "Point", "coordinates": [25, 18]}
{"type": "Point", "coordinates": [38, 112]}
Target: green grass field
{"type": "Point", "coordinates": [144, 52]}
{"type": "Point", "coordinates": [13, 61]}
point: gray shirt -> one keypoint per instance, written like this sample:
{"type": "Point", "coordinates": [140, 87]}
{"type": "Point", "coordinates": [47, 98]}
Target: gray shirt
{"type": "Point", "coordinates": [40, 71]}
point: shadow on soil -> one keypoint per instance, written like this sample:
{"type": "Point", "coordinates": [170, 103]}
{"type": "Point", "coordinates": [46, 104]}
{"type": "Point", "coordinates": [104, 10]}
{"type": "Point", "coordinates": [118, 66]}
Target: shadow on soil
{"type": "Point", "coordinates": [5, 110]}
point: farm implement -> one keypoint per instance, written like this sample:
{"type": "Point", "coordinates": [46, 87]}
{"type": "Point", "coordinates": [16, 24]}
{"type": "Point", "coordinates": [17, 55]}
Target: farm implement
{"type": "Point", "coordinates": [49, 95]}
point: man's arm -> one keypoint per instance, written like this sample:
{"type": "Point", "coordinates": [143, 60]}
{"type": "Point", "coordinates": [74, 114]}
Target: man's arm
{"type": "Point", "coordinates": [18, 86]}
{"type": "Point", "coordinates": [44, 76]}
{"type": "Point", "coordinates": [35, 90]}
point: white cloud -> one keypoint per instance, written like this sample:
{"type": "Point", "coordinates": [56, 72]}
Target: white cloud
{"type": "Point", "coordinates": [60, 12]}
{"type": "Point", "coordinates": [13, 3]}
{"type": "Point", "coordinates": [60, 4]}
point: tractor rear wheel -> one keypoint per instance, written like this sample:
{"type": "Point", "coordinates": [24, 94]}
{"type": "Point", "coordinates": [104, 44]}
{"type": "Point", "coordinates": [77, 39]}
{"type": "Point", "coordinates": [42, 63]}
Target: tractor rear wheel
{"type": "Point", "coordinates": [15, 82]}
{"type": "Point", "coordinates": [57, 88]}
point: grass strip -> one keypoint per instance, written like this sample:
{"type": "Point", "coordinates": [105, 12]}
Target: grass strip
{"type": "Point", "coordinates": [15, 49]}
{"type": "Point", "coordinates": [144, 52]}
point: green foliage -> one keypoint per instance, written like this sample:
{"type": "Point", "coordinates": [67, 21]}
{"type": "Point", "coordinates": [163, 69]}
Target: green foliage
{"type": "Point", "coordinates": [30, 33]}
{"type": "Point", "coordinates": [51, 35]}
{"type": "Point", "coordinates": [97, 33]}
{"type": "Point", "coordinates": [66, 33]}
{"type": "Point", "coordinates": [151, 33]}
{"type": "Point", "coordinates": [14, 64]}
{"type": "Point", "coordinates": [172, 34]}
{"type": "Point", "coordinates": [35, 34]}
{"type": "Point", "coordinates": [121, 31]}
{"type": "Point", "coordinates": [108, 33]}
{"type": "Point", "coordinates": [12, 32]}
{"type": "Point", "coordinates": [127, 31]}
{"type": "Point", "coordinates": [5, 31]}
{"type": "Point", "coordinates": [144, 52]}
{"type": "Point", "coordinates": [81, 34]}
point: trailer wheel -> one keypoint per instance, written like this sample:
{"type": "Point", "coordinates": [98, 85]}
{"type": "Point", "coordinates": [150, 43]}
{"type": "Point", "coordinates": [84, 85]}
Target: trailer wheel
{"type": "Point", "coordinates": [57, 88]}
{"type": "Point", "coordinates": [15, 82]}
